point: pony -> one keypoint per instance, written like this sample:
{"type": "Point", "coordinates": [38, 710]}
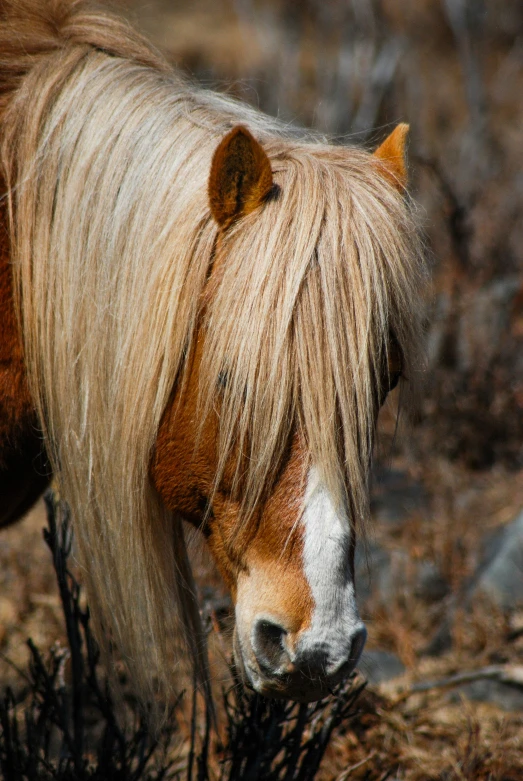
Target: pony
{"type": "Point", "coordinates": [202, 311]}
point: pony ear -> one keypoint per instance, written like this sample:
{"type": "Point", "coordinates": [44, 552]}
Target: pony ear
{"type": "Point", "coordinates": [392, 155]}
{"type": "Point", "coordinates": [241, 176]}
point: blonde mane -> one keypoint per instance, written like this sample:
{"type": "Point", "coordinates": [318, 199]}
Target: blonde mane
{"type": "Point", "coordinates": [106, 153]}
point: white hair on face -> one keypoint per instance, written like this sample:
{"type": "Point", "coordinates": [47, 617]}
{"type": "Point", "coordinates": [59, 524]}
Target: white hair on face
{"type": "Point", "coordinates": [107, 154]}
{"type": "Point", "coordinates": [326, 565]}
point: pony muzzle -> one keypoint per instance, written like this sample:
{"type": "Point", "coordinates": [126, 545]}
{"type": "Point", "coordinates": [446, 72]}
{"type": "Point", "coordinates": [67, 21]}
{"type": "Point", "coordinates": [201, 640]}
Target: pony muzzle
{"type": "Point", "coordinates": [278, 663]}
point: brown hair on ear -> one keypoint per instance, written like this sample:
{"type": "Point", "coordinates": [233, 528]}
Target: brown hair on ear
{"type": "Point", "coordinates": [392, 154]}
{"type": "Point", "coordinates": [240, 178]}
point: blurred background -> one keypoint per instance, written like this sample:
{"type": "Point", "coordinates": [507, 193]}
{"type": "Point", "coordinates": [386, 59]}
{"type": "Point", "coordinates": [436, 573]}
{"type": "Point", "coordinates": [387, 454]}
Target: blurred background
{"type": "Point", "coordinates": [440, 576]}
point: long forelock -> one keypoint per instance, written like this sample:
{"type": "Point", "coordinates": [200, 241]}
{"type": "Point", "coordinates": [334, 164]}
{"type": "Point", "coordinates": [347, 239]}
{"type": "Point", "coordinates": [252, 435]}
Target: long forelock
{"type": "Point", "coordinates": [310, 290]}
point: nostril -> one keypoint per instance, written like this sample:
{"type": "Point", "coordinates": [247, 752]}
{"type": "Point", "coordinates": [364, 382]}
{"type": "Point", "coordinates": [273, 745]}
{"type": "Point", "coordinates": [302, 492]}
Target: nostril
{"type": "Point", "coordinates": [342, 661]}
{"type": "Point", "coordinates": [268, 644]}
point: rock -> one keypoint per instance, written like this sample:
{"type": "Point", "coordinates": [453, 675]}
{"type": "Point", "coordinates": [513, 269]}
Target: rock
{"type": "Point", "coordinates": [380, 666]}
{"type": "Point", "coordinates": [509, 698]}
{"type": "Point", "coordinates": [500, 575]}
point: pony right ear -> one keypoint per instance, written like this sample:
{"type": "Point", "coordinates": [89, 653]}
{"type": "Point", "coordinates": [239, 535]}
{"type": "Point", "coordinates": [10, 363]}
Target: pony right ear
{"type": "Point", "coordinates": [241, 176]}
{"type": "Point", "coordinates": [392, 155]}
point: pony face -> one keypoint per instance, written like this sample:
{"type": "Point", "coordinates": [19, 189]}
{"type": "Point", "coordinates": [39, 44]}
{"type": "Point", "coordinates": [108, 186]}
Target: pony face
{"type": "Point", "coordinates": [289, 569]}
{"type": "Point", "coordinates": [289, 564]}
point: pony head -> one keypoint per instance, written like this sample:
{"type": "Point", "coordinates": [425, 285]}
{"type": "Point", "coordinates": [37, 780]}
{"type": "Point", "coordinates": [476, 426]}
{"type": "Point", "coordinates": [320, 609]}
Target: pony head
{"type": "Point", "coordinates": [234, 454]}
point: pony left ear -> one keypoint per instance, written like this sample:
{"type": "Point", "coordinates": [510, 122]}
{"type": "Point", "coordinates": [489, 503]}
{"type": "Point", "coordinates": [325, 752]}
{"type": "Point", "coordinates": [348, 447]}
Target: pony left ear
{"type": "Point", "coordinates": [241, 176]}
{"type": "Point", "coordinates": [392, 155]}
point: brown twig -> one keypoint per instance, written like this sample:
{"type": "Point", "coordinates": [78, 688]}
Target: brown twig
{"type": "Point", "coordinates": [511, 675]}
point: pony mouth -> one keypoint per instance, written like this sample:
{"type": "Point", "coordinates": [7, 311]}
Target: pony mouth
{"type": "Point", "coordinates": [304, 688]}
{"type": "Point", "coordinates": [293, 685]}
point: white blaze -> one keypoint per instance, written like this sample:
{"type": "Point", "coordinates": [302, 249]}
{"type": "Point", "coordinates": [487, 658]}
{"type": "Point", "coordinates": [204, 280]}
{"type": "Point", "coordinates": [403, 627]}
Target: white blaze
{"type": "Point", "coordinates": [326, 558]}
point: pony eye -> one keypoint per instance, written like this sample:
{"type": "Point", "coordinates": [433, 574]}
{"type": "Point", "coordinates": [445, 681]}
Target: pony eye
{"type": "Point", "coordinates": [394, 378]}
{"type": "Point", "coordinates": [388, 384]}
{"type": "Point", "coordinates": [394, 368]}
